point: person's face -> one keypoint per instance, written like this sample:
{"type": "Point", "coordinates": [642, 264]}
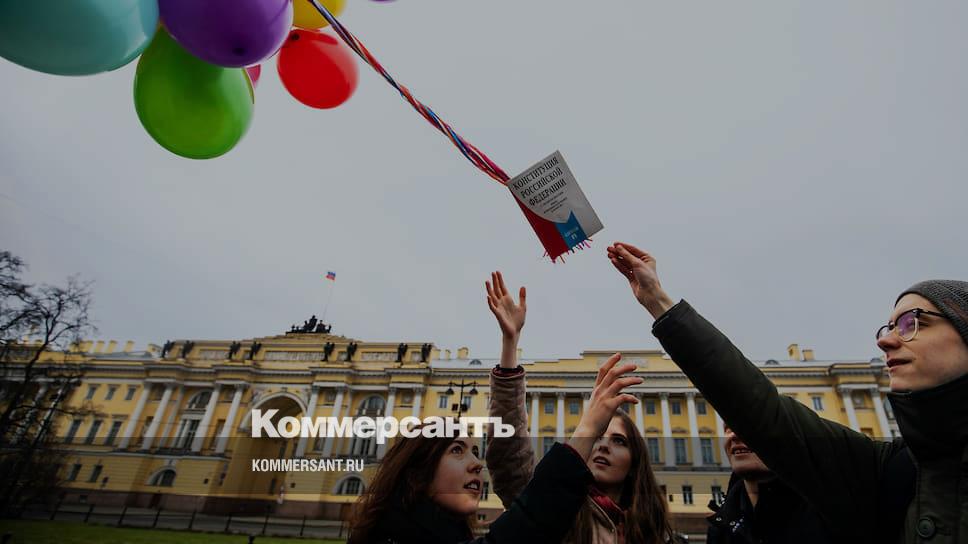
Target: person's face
{"type": "Point", "coordinates": [457, 481]}
{"type": "Point", "coordinates": [744, 462]}
{"type": "Point", "coordinates": [935, 356]}
{"type": "Point", "coordinates": [611, 458]}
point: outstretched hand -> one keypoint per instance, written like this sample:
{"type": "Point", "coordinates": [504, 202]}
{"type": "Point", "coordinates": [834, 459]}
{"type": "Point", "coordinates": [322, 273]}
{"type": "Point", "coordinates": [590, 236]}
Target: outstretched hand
{"type": "Point", "coordinates": [510, 316]}
{"type": "Point", "coordinates": [639, 269]}
{"type": "Point", "coordinates": [605, 400]}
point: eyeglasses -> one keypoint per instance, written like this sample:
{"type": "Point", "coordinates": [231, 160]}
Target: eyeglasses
{"type": "Point", "coordinates": [906, 324]}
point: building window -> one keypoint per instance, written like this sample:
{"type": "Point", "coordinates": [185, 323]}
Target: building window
{"type": "Point", "coordinates": [113, 432]}
{"type": "Point", "coordinates": [186, 433]}
{"type": "Point", "coordinates": [92, 434]}
{"type": "Point", "coordinates": [487, 490]}
{"type": "Point", "coordinates": [676, 407]}
{"type": "Point", "coordinates": [546, 444]}
{"type": "Point", "coordinates": [75, 470]}
{"type": "Point", "coordinates": [650, 407]}
{"type": "Point", "coordinates": [90, 392]}
{"type": "Point", "coordinates": [130, 394]}
{"type": "Point", "coordinates": [95, 474]}
{"type": "Point", "coordinates": [443, 401]}
{"type": "Point", "coordinates": [466, 403]}
{"type": "Point", "coordinates": [717, 493]}
{"type": "Point", "coordinates": [549, 407]}
{"type": "Point", "coordinates": [72, 431]}
{"type": "Point", "coordinates": [372, 406]}
{"type": "Point", "coordinates": [350, 486]}
{"type": "Point", "coordinates": [200, 400]}
{"type": "Point", "coordinates": [165, 478]}
{"type": "Point", "coordinates": [111, 390]}
{"type": "Point", "coordinates": [573, 407]}
{"type": "Point", "coordinates": [680, 446]}
{"type": "Point", "coordinates": [653, 445]}
{"type": "Point", "coordinates": [701, 407]}
{"type": "Point", "coordinates": [706, 445]}
{"type": "Point", "coordinates": [817, 403]}
{"type": "Point", "coordinates": [858, 399]}
{"type": "Point", "coordinates": [687, 494]}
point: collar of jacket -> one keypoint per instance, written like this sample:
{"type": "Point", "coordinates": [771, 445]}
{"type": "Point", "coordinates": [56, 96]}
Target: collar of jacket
{"type": "Point", "coordinates": [424, 522]}
{"type": "Point", "coordinates": [934, 422]}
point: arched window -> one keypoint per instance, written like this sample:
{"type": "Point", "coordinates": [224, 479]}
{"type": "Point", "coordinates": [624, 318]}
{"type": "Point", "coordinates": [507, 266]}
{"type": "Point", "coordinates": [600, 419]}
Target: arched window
{"type": "Point", "coordinates": [350, 486]}
{"type": "Point", "coordinates": [372, 406]}
{"type": "Point", "coordinates": [200, 400]}
{"type": "Point", "coordinates": [164, 478]}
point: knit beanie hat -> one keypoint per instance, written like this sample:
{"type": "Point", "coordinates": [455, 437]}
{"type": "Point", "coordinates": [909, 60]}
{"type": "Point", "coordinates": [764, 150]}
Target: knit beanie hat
{"type": "Point", "coordinates": [950, 296]}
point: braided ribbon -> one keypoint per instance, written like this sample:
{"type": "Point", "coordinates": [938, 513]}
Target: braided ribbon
{"type": "Point", "coordinates": [479, 159]}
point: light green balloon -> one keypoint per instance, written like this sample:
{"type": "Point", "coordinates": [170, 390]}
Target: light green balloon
{"type": "Point", "coordinates": [75, 37]}
{"type": "Point", "coordinates": [190, 107]}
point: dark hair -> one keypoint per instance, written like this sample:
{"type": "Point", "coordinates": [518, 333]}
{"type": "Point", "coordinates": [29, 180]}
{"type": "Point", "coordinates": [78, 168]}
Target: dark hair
{"type": "Point", "coordinates": [403, 478]}
{"type": "Point", "coordinates": [646, 510]}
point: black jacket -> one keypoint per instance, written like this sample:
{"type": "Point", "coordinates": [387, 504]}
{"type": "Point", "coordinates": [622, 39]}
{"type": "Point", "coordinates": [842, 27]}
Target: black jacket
{"type": "Point", "coordinates": [861, 488]}
{"type": "Point", "coordinates": [780, 516]}
{"type": "Point", "coordinates": [542, 513]}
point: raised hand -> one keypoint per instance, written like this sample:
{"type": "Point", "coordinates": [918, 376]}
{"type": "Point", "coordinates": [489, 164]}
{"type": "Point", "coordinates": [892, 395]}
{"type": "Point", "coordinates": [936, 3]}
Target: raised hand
{"type": "Point", "coordinates": [605, 400]}
{"type": "Point", "coordinates": [638, 267]}
{"type": "Point", "coordinates": [510, 316]}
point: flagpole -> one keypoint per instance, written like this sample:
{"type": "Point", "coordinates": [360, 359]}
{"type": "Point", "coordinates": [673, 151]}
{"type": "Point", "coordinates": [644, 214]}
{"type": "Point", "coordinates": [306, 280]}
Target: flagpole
{"type": "Point", "coordinates": [328, 299]}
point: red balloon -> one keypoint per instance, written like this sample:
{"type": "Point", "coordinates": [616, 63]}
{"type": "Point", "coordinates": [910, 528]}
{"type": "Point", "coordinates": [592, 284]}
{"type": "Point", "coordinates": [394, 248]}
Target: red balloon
{"type": "Point", "coordinates": [317, 69]}
{"type": "Point", "coordinates": [254, 73]}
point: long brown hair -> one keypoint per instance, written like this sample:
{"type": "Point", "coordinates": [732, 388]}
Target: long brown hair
{"type": "Point", "coordinates": [403, 478]}
{"type": "Point", "coordinates": [646, 510]}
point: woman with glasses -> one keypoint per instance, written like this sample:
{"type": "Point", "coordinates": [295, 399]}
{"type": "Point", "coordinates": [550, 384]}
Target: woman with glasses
{"type": "Point", "coordinates": [914, 489]}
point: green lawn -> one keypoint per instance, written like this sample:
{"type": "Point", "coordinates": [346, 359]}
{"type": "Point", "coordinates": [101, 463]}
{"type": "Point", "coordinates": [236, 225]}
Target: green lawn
{"type": "Point", "coordinates": [61, 532]}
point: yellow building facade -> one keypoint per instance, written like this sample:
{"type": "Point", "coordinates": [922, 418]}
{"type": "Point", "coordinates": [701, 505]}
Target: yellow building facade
{"type": "Point", "coordinates": [171, 426]}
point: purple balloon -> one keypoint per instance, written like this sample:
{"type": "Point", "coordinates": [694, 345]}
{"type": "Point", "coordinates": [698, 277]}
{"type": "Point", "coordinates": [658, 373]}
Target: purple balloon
{"type": "Point", "coordinates": [231, 33]}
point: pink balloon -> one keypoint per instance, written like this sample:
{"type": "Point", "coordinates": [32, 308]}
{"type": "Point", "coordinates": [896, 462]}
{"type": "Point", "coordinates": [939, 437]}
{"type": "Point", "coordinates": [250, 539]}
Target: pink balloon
{"type": "Point", "coordinates": [254, 73]}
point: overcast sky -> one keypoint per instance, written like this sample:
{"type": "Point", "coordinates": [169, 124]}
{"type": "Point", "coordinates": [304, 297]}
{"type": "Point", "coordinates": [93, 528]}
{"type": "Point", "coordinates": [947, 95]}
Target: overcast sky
{"type": "Point", "coordinates": [792, 167]}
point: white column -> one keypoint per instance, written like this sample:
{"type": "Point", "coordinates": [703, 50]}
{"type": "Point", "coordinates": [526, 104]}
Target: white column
{"type": "Point", "coordinates": [156, 420]}
{"type": "Point", "coordinates": [348, 443]}
{"type": "Point", "coordinates": [639, 415]}
{"type": "Point", "coordinates": [417, 400]}
{"type": "Point", "coordinates": [670, 456]}
{"type": "Point", "coordinates": [229, 428]}
{"type": "Point", "coordinates": [337, 406]}
{"type": "Point", "coordinates": [381, 449]}
{"type": "Point", "coordinates": [199, 440]}
{"type": "Point", "coordinates": [585, 399]}
{"type": "Point", "coordinates": [721, 438]}
{"type": "Point", "coordinates": [881, 414]}
{"type": "Point", "coordinates": [535, 405]}
{"type": "Point", "coordinates": [693, 429]}
{"type": "Point", "coordinates": [166, 432]}
{"type": "Point", "coordinates": [135, 417]}
{"type": "Point", "coordinates": [849, 407]}
{"type": "Point", "coordinates": [560, 418]}
{"type": "Point", "coordinates": [310, 412]}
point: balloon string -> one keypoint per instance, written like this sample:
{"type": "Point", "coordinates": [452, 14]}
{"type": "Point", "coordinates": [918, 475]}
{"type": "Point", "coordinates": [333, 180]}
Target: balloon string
{"type": "Point", "coordinates": [479, 159]}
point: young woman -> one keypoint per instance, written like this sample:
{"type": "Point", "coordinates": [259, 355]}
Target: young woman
{"type": "Point", "coordinates": [427, 490]}
{"type": "Point", "coordinates": [624, 504]}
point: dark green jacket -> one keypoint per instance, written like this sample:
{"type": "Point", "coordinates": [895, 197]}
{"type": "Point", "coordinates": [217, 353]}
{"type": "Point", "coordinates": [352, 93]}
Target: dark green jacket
{"type": "Point", "coordinates": [853, 481]}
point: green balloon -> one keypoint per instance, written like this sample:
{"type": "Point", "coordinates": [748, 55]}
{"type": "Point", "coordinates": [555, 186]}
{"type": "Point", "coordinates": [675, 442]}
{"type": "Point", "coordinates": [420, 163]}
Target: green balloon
{"type": "Point", "coordinates": [190, 107]}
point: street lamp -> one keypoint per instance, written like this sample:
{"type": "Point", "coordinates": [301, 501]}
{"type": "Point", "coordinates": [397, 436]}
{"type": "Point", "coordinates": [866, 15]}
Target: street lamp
{"type": "Point", "coordinates": [459, 406]}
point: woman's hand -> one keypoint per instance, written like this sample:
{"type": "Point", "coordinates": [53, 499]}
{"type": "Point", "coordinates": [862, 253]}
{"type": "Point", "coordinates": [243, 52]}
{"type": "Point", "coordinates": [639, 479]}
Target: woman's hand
{"type": "Point", "coordinates": [639, 268]}
{"type": "Point", "coordinates": [605, 400]}
{"type": "Point", "coordinates": [510, 316]}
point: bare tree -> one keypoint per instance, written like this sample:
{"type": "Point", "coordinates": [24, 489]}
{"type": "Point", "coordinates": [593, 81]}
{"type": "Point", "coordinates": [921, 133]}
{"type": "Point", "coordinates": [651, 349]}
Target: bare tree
{"type": "Point", "coordinates": [53, 319]}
